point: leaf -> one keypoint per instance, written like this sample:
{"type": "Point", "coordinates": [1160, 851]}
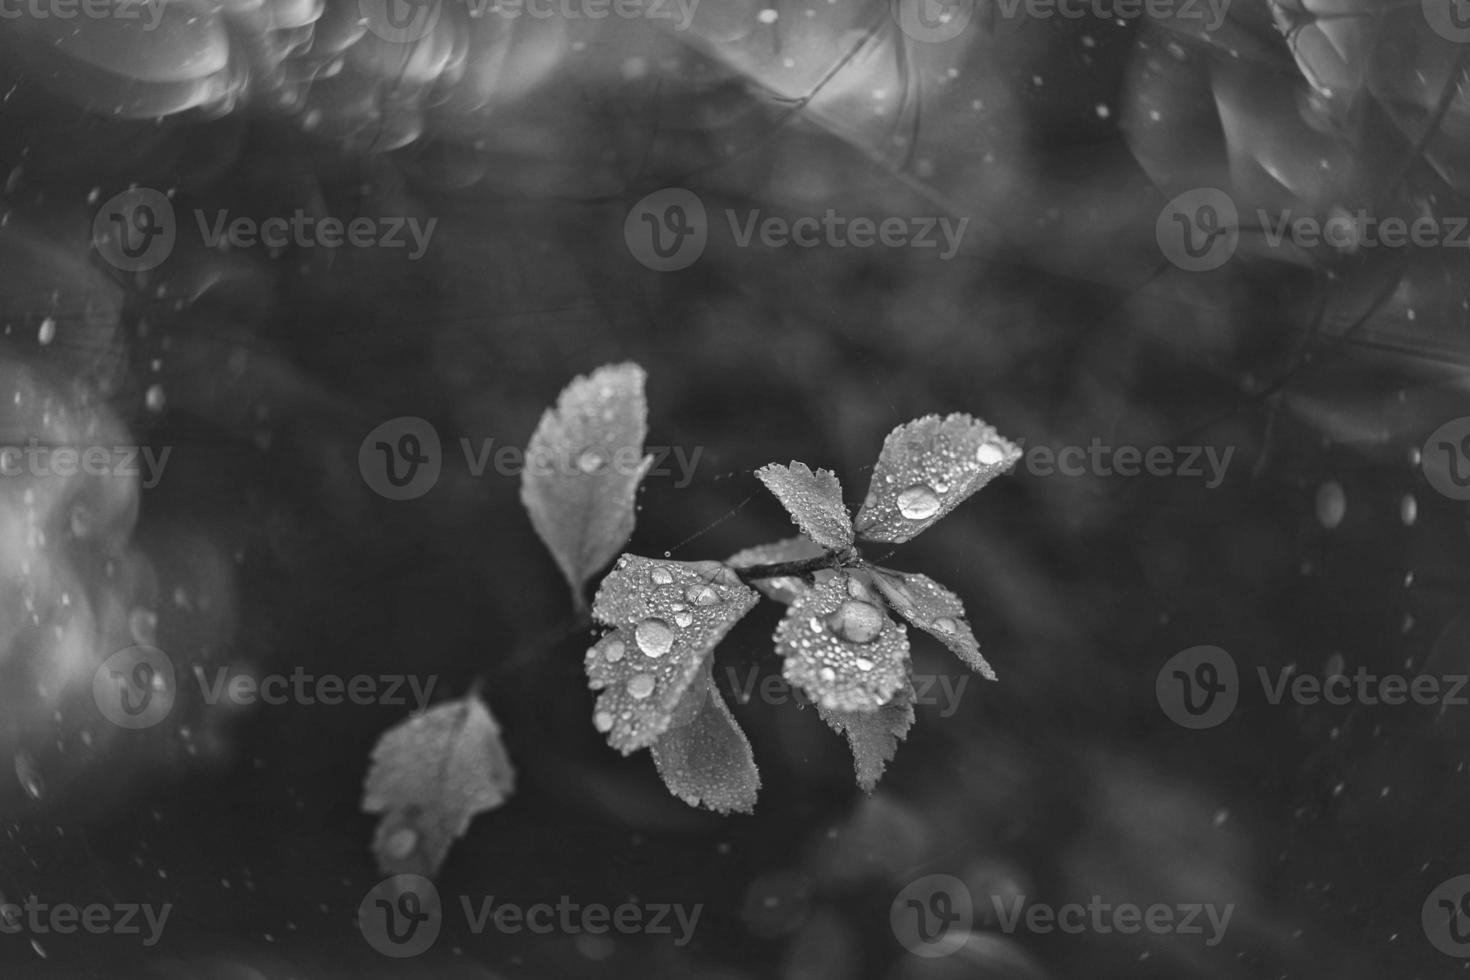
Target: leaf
{"type": "Point", "coordinates": [583, 466]}
{"type": "Point", "coordinates": [430, 776]}
{"type": "Point", "coordinates": [935, 610]}
{"type": "Point", "coordinates": [926, 469]}
{"type": "Point", "coordinates": [784, 588]}
{"type": "Point", "coordinates": [841, 647]}
{"type": "Point", "coordinates": [707, 760]}
{"type": "Point", "coordinates": [667, 617]}
{"type": "Point", "coordinates": [874, 735]}
{"type": "Point", "coordinates": [814, 501]}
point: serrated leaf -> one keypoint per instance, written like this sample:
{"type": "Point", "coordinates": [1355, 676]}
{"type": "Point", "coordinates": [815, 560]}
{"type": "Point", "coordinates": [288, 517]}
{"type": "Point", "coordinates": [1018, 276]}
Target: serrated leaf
{"type": "Point", "coordinates": [814, 501]}
{"type": "Point", "coordinates": [706, 760]}
{"type": "Point", "coordinates": [430, 776]}
{"type": "Point", "coordinates": [666, 617]}
{"type": "Point", "coordinates": [934, 609]}
{"type": "Point", "coordinates": [783, 588]}
{"type": "Point", "coordinates": [926, 469]}
{"type": "Point", "coordinates": [841, 647]}
{"type": "Point", "coordinates": [583, 466]}
{"type": "Point", "coordinates": [874, 735]}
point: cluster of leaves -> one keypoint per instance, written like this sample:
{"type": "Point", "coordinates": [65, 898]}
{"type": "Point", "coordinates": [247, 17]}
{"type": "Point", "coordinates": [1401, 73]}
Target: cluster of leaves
{"type": "Point", "coordinates": [841, 639]}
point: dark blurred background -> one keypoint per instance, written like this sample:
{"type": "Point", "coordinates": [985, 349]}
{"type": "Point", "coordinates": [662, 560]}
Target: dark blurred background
{"type": "Point", "coordinates": [1060, 321]}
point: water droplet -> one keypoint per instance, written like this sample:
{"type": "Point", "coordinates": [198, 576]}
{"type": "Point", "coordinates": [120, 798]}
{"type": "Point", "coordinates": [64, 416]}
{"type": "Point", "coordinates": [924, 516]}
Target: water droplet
{"type": "Point", "coordinates": [661, 576]}
{"type": "Point", "coordinates": [863, 664]}
{"type": "Point", "coordinates": [815, 624]}
{"type": "Point", "coordinates": [47, 333]}
{"type": "Point", "coordinates": [827, 674]}
{"type": "Point", "coordinates": [989, 454]}
{"type": "Point", "coordinates": [29, 776]}
{"type": "Point", "coordinates": [641, 686]}
{"type": "Point", "coordinates": [857, 589]}
{"type": "Point", "coordinates": [614, 651]}
{"type": "Point", "coordinates": [81, 521]}
{"type": "Point", "coordinates": [1408, 510]}
{"type": "Point", "coordinates": [857, 622]}
{"type": "Point", "coordinates": [602, 721]}
{"type": "Point", "coordinates": [654, 637]}
{"type": "Point", "coordinates": [1415, 456]}
{"type": "Point", "coordinates": [946, 625]}
{"type": "Point", "coordinates": [703, 595]}
{"type": "Point", "coordinates": [591, 461]}
{"type": "Point", "coordinates": [918, 503]}
{"type": "Point", "coordinates": [683, 618]}
{"type": "Point", "coordinates": [402, 843]}
{"type": "Point", "coordinates": [154, 399]}
{"type": "Point", "coordinates": [1331, 504]}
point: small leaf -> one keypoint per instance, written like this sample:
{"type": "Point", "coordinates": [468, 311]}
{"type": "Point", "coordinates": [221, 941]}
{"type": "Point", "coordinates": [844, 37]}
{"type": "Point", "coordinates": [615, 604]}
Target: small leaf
{"type": "Point", "coordinates": [430, 776]}
{"type": "Point", "coordinates": [814, 501]}
{"type": "Point", "coordinates": [667, 617]}
{"type": "Point", "coordinates": [925, 470]}
{"type": "Point", "coordinates": [935, 610]}
{"type": "Point", "coordinates": [874, 735]}
{"type": "Point", "coordinates": [707, 760]}
{"type": "Point", "coordinates": [583, 467]}
{"type": "Point", "coordinates": [783, 588]}
{"type": "Point", "coordinates": [841, 647]}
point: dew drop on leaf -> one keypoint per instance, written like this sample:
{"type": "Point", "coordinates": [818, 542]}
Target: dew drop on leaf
{"type": "Point", "coordinates": [918, 502]}
{"type": "Point", "coordinates": [603, 721]}
{"type": "Point", "coordinates": [661, 576]}
{"type": "Point", "coordinates": [590, 461]}
{"type": "Point", "coordinates": [614, 650]}
{"type": "Point", "coordinates": [641, 686]}
{"type": "Point", "coordinates": [654, 637]}
{"type": "Point", "coordinates": [857, 621]}
{"type": "Point", "coordinates": [683, 618]}
{"type": "Point", "coordinates": [702, 595]}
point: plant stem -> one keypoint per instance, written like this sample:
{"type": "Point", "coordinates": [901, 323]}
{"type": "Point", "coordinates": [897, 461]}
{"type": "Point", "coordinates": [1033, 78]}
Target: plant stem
{"type": "Point", "coordinates": [793, 569]}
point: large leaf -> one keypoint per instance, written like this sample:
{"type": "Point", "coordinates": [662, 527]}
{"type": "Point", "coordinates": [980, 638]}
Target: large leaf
{"type": "Point", "coordinates": [782, 588]}
{"type": "Point", "coordinates": [666, 617]}
{"type": "Point", "coordinates": [926, 469]}
{"type": "Point", "coordinates": [430, 776]}
{"type": "Point", "coordinates": [814, 501]}
{"type": "Point", "coordinates": [707, 761]}
{"type": "Point", "coordinates": [935, 610]}
{"type": "Point", "coordinates": [841, 647]}
{"type": "Point", "coordinates": [583, 467]}
{"type": "Point", "coordinates": [874, 735]}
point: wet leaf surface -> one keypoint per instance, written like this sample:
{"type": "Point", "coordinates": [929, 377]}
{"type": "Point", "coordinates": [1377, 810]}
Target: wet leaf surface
{"type": "Point", "coordinates": [666, 617]}
{"type": "Point", "coordinates": [430, 776]}
{"type": "Point", "coordinates": [583, 467]}
{"type": "Point", "coordinates": [926, 469]}
{"type": "Point", "coordinates": [841, 647]}
{"type": "Point", "coordinates": [814, 501]}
